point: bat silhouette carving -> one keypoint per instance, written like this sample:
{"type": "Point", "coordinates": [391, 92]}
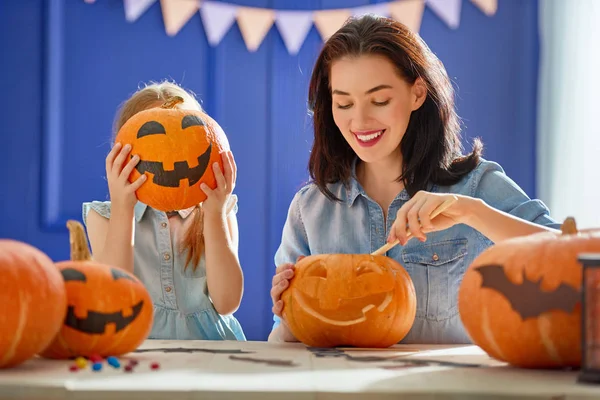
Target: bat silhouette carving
{"type": "Point", "coordinates": [527, 298]}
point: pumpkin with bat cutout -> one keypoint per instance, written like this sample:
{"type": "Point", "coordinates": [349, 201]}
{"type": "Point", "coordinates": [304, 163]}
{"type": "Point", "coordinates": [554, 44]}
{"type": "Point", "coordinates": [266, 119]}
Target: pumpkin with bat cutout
{"type": "Point", "coordinates": [177, 148]}
{"type": "Point", "coordinates": [33, 302]}
{"type": "Point", "coordinates": [520, 299]}
{"type": "Point", "coordinates": [109, 311]}
{"type": "Point", "coordinates": [356, 300]}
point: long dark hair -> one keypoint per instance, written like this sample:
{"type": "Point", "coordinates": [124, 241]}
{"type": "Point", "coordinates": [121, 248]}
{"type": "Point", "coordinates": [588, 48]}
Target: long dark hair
{"type": "Point", "coordinates": [431, 147]}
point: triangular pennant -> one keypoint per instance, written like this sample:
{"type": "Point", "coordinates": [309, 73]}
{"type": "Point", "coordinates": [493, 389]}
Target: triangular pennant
{"type": "Point", "coordinates": [409, 13]}
{"type": "Point", "coordinates": [135, 8]}
{"type": "Point", "coordinates": [176, 13]}
{"type": "Point", "coordinates": [329, 21]}
{"type": "Point", "coordinates": [217, 18]}
{"type": "Point", "coordinates": [381, 9]}
{"type": "Point", "coordinates": [254, 24]}
{"type": "Point", "coordinates": [293, 27]}
{"type": "Point", "coordinates": [489, 7]}
{"type": "Point", "coordinates": [447, 10]}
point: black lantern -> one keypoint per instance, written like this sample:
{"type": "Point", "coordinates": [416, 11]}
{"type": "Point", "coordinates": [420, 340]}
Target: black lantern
{"type": "Point", "coordinates": [590, 321]}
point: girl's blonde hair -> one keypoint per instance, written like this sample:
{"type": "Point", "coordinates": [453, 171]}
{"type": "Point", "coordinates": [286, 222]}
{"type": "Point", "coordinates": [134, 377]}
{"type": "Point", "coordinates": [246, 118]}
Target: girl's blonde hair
{"type": "Point", "coordinates": [152, 95]}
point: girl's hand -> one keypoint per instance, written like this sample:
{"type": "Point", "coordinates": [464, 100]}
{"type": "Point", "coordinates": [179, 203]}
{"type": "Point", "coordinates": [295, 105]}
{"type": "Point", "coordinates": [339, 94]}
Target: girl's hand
{"type": "Point", "coordinates": [217, 198]}
{"type": "Point", "coordinates": [415, 215]}
{"type": "Point", "coordinates": [122, 192]}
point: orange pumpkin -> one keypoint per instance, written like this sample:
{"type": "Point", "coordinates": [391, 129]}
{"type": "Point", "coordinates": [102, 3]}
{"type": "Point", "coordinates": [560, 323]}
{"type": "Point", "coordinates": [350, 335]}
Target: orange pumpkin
{"type": "Point", "coordinates": [109, 311]}
{"type": "Point", "coordinates": [520, 299]}
{"type": "Point", "coordinates": [177, 148]}
{"type": "Point", "coordinates": [349, 299]}
{"type": "Point", "coordinates": [33, 302]}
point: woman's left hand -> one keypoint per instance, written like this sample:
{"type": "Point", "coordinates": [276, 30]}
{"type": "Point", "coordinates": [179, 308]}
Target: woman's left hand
{"type": "Point", "coordinates": [415, 215]}
{"type": "Point", "coordinates": [216, 199]}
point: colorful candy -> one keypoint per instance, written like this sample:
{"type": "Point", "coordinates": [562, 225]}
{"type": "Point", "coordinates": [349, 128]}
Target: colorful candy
{"type": "Point", "coordinates": [155, 365]}
{"type": "Point", "coordinates": [81, 362]}
{"type": "Point", "coordinates": [97, 366]}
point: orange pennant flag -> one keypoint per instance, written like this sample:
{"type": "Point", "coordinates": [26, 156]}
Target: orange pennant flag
{"type": "Point", "coordinates": [254, 24]}
{"type": "Point", "coordinates": [329, 21]}
{"type": "Point", "coordinates": [176, 13]}
{"type": "Point", "coordinates": [409, 13]}
{"type": "Point", "coordinates": [489, 7]}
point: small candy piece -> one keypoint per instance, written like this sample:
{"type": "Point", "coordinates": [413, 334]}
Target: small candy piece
{"type": "Point", "coordinates": [74, 368]}
{"type": "Point", "coordinates": [113, 362]}
{"type": "Point", "coordinates": [81, 362]}
{"type": "Point", "coordinates": [128, 368]}
{"type": "Point", "coordinates": [97, 366]}
{"type": "Point", "coordinates": [95, 358]}
{"type": "Point", "coordinates": [133, 362]}
{"type": "Point", "coordinates": [155, 365]}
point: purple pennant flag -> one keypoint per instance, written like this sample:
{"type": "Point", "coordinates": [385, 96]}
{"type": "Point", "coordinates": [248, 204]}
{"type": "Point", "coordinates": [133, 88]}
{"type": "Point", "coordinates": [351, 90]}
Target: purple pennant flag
{"type": "Point", "coordinates": [293, 27]}
{"type": "Point", "coordinates": [447, 10]}
{"type": "Point", "coordinates": [381, 9]}
{"type": "Point", "coordinates": [217, 18]}
{"type": "Point", "coordinates": [135, 8]}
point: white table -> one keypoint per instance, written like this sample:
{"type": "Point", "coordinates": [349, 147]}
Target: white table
{"type": "Point", "coordinates": [298, 373]}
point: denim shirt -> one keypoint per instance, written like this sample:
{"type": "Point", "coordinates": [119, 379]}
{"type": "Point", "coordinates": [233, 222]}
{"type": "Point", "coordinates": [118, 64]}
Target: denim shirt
{"type": "Point", "coordinates": [317, 225]}
{"type": "Point", "coordinates": [182, 306]}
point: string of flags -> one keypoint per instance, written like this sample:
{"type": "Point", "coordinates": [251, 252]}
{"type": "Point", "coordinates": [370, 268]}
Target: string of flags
{"type": "Point", "coordinates": [293, 25]}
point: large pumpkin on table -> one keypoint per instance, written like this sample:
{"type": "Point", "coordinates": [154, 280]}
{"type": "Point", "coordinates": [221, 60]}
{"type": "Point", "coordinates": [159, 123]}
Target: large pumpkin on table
{"type": "Point", "coordinates": [349, 299]}
{"type": "Point", "coordinates": [33, 302]}
{"type": "Point", "coordinates": [520, 299]}
{"type": "Point", "coordinates": [177, 148]}
{"type": "Point", "coordinates": [109, 311]}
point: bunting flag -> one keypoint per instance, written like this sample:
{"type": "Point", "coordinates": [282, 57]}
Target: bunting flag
{"type": "Point", "coordinates": [176, 13]}
{"type": "Point", "coordinates": [135, 8]}
{"type": "Point", "coordinates": [489, 7]}
{"type": "Point", "coordinates": [293, 26]}
{"type": "Point", "coordinates": [409, 12]}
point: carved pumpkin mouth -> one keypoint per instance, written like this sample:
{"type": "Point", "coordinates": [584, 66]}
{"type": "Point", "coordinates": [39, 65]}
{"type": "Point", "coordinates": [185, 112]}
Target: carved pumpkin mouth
{"type": "Point", "coordinates": [96, 322]}
{"type": "Point", "coordinates": [348, 312]}
{"type": "Point", "coordinates": [181, 170]}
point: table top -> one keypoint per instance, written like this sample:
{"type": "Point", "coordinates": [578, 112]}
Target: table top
{"type": "Point", "coordinates": [265, 371]}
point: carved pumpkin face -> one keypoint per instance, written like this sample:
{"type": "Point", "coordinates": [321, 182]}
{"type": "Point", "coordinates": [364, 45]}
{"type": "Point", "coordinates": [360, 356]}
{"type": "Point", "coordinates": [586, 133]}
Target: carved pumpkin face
{"type": "Point", "coordinates": [520, 299]}
{"type": "Point", "coordinates": [347, 299]}
{"type": "Point", "coordinates": [109, 311]}
{"type": "Point", "coordinates": [177, 148]}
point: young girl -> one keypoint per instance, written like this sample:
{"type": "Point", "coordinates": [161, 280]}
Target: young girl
{"type": "Point", "coordinates": [187, 259]}
{"type": "Point", "coordinates": [386, 153]}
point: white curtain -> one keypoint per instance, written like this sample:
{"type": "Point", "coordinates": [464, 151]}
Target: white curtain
{"type": "Point", "coordinates": [569, 110]}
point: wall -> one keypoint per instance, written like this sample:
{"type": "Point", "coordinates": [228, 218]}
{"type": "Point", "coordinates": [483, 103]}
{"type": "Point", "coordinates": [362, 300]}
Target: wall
{"type": "Point", "coordinates": [66, 66]}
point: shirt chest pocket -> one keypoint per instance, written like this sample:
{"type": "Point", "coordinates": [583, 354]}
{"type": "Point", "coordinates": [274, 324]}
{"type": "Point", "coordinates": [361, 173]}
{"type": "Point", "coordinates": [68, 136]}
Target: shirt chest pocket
{"type": "Point", "coordinates": [436, 268]}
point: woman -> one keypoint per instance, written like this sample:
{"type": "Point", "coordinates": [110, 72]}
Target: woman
{"type": "Point", "coordinates": [386, 153]}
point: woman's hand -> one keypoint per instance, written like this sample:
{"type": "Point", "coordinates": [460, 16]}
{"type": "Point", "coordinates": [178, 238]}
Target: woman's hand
{"type": "Point", "coordinates": [281, 281]}
{"type": "Point", "coordinates": [122, 192]}
{"type": "Point", "coordinates": [216, 199]}
{"type": "Point", "coordinates": [416, 216]}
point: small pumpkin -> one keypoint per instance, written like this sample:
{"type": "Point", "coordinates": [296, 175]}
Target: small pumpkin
{"type": "Point", "coordinates": [33, 302]}
{"type": "Point", "coordinates": [349, 299]}
{"type": "Point", "coordinates": [520, 299]}
{"type": "Point", "coordinates": [177, 148]}
{"type": "Point", "coordinates": [109, 311]}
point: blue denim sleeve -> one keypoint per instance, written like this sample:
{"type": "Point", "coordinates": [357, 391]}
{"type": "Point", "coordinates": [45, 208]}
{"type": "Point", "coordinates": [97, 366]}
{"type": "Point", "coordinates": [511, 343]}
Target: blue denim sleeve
{"type": "Point", "coordinates": [294, 242]}
{"type": "Point", "coordinates": [501, 192]}
{"type": "Point", "coordinates": [101, 207]}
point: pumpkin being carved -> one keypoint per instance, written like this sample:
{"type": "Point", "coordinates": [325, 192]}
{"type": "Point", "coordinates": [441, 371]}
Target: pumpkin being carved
{"type": "Point", "coordinates": [520, 299]}
{"type": "Point", "coordinates": [177, 148]}
{"type": "Point", "coordinates": [349, 299]}
{"type": "Point", "coordinates": [109, 311]}
{"type": "Point", "coordinates": [33, 302]}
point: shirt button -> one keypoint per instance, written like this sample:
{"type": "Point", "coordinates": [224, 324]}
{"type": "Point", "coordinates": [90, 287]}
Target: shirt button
{"type": "Point", "coordinates": [167, 256]}
{"type": "Point", "coordinates": [168, 289]}
{"type": "Point", "coordinates": [435, 257]}
{"type": "Point", "coordinates": [164, 224]}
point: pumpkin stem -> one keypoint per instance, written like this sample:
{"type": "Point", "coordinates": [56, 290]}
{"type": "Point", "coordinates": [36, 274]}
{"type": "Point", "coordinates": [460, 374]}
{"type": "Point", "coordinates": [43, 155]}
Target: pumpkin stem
{"type": "Point", "coordinates": [569, 227]}
{"type": "Point", "coordinates": [172, 102]}
{"type": "Point", "coordinates": [79, 242]}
